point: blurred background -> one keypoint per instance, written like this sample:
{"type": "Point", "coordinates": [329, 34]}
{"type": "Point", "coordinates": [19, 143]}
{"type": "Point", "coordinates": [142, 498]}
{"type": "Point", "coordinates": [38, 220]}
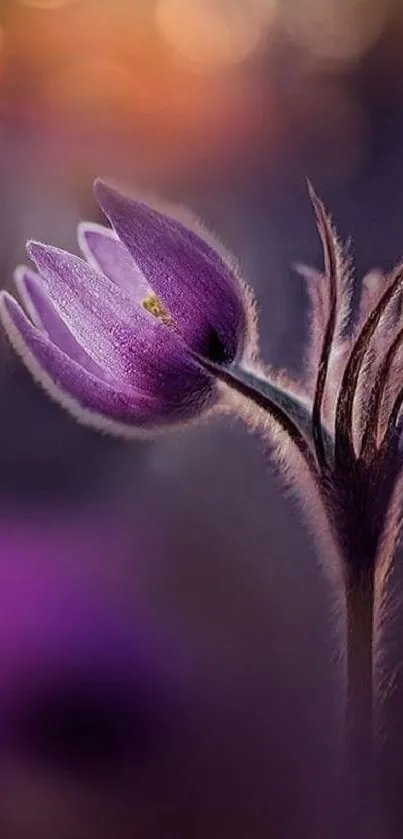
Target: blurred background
{"type": "Point", "coordinates": [168, 655]}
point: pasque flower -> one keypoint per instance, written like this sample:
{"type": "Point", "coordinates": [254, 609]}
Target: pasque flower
{"type": "Point", "coordinates": [116, 337]}
{"type": "Point", "coordinates": [155, 327]}
{"type": "Point", "coordinates": [144, 331]}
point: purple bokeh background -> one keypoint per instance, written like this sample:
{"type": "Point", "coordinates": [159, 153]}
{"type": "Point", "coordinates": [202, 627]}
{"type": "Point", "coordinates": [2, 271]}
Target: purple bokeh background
{"type": "Point", "coordinates": [191, 536]}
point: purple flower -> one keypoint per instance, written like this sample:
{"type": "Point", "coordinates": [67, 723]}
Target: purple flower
{"type": "Point", "coordinates": [114, 338]}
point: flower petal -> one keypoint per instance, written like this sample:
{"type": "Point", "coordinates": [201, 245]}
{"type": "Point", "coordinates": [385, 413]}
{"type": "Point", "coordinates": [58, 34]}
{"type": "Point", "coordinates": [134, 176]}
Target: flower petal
{"type": "Point", "coordinates": [54, 370]}
{"type": "Point", "coordinates": [103, 250]}
{"type": "Point", "coordinates": [130, 345]}
{"type": "Point", "coordinates": [91, 400]}
{"type": "Point", "coordinates": [194, 282]}
{"type": "Point", "coordinates": [44, 316]}
{"type": "Point", "coordinates": [118, 334]}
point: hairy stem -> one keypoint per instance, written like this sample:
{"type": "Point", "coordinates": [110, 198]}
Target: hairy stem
{"type": "Point", "coordinates": [284, 398]}
{"type": "Point", "coordinates": [359, 766]}
{"type": "Point", "coordinates": [272, 404]}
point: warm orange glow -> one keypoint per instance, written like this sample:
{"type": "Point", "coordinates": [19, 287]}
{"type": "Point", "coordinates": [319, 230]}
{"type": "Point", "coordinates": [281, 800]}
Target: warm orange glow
{"type": "Point", "coordinates": [162, 81]}
{"type": "Point", "coordinates": [341, 30]}
{"type": "Point", "coordinates": [46, 4]}
{"type": "Point", "coordinates": [214, 33]}
{"type": "Point", "coordinates": [104, 87]}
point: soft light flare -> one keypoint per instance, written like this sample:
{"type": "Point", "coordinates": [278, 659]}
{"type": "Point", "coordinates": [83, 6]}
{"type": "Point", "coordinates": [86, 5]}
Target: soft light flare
{"type": "Point", "coordinates": [214, 34]}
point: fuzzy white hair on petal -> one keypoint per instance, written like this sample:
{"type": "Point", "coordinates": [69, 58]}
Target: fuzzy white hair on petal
{"type": "Point", "coordinates": [82, 415]}
{"type": "Point", "coordinates": [20, 274]}
{"type": "Point", "coordinates": [93, 227]}
{"type": "Point", "coordinates": [182, 214]}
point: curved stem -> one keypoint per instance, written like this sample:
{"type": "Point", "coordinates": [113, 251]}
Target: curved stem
{"type": "Point", "coordinates": [299, 412]}
{"type": "Point", "coordinates": [266, 403]}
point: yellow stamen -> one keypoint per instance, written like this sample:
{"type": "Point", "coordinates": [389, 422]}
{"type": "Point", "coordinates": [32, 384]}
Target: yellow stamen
{"type": "Point", "coordinates": [153, 305]}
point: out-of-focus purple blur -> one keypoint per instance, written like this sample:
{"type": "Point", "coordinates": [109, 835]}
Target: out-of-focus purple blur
{"type": "Point", "coordinates": [168, 659]}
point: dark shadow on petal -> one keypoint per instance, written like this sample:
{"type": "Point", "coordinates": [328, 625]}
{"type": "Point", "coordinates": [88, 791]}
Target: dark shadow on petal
{"type": "Point", "coordinates": [215, 349]}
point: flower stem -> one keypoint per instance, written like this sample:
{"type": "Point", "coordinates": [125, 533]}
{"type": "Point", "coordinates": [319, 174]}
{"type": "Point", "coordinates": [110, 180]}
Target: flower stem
{"type": "Point", "coordinates": [359, 758]}
{"type": "Point", "coordinates": [278, 404]}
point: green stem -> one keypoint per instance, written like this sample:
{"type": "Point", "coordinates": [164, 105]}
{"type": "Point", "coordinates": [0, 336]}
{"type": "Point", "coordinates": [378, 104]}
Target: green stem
{"type": "Point", "coordinates": [290, 402]}
{"type": "Point", "coordinates": [267, 398]}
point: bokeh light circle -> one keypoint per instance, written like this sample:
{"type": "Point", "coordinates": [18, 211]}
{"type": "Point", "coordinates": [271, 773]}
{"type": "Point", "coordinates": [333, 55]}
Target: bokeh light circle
{"type": "Point", "coordinates": [214, 33]}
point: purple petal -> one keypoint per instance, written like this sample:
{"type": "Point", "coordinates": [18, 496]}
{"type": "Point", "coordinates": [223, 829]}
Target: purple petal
{"type": "Point", "coordinates": [128, 343]}
{"type": "Point", "coordinates": [105, 405]}
{"type": "Point", "coordinates": [44, 316]}
{"type": "Point", "coordinates": [193, 281]}
{"type": "Point", "coordinates": [55, 370]}
{"type": "Point", "coordinates": [103, 250]}
{"type": "Point", "coordinates": [118, 334]}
